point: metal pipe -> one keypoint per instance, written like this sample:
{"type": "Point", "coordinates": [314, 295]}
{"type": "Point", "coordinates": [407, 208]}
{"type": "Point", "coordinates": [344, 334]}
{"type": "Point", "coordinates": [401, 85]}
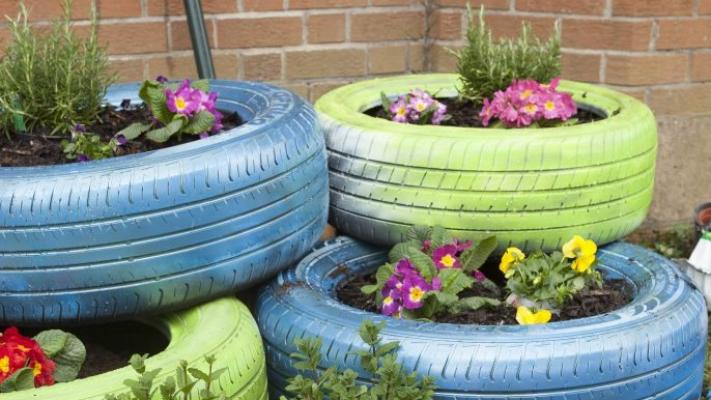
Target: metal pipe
{"type": "Point", "coordinates": [198, 36]}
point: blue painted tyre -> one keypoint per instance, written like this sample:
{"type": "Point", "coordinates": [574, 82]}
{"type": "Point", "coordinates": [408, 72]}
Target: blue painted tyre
{"type": "Point", "coordinates": [652, 348]}
{"type": "Point", "coordinates": [165, 229]}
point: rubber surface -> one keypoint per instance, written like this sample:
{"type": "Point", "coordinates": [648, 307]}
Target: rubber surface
{"type": "Point", "coordinates": [535, 188]}
{"type": "Point", "coordinates": [222, 327]}
{"type": "Point", "coordinates": [167, 229]}
{"type": "Point", "coordinates": [653, 348]}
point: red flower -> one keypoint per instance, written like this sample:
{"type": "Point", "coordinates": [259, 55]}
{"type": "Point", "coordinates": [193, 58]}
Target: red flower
{"type": "Point", "coordinates": [17, 351]}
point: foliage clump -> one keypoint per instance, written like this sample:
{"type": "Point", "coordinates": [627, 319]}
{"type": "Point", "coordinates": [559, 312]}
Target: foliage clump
{"type": "Point", "coordinates": [182, 386]}
{"type": "Point", "coordinates": [486, 66]}
{"type": "Point", "coordinates": [55, 79]}
{"type": "Point", "coordinates": [380, 360]}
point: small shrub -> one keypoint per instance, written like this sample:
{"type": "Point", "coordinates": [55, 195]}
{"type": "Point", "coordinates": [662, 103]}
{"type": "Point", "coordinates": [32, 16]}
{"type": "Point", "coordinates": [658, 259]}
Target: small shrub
{"type": "Point", "coordinates": [380, 360]}
{"type": "Point", "coordinates": [486, 66]}
{"type": "Point", "coordinates": [178, 387]}
{"type": "Point", "coordinates": [55, 79]}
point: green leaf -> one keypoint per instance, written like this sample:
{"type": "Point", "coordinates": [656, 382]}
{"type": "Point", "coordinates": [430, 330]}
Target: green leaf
{"type": "Point", "coordinates": [385, 102]}
{"type": "Point", "coordinates": [197, 374]}
{"type": "Point", "coordinates": [419, 233]}
{"type": "Point", "coordinates": [454, 280]}
{"type": "Point", "coordinates": [69, 359]}
{"type": "Point", "coordinates": [387, 348]}
{"type": "Point", "coordinates": [51, 341]}
{"type": "Point", "coordinates": [399, 251]}
{"type": "Point", "coordinates": [369, 289]}
{"type": "Point", "coordinates": [200, 122]}
{"type": "Point", "coordinates": [162, 135]}
{"type": "Point", "coordinates": [422, 262]}
{"type": "Point", "coordinates": [474, 257]}
{"type": "Point", "coordinates": [446, 299]}
{"type": "Point", "coordinates": [202, 84]}
{"type": "Point", "coordinates": [134, 130]}
{"type": "Point", "coordinates": [156, 100]}
{"type": "Point", "coordinates": [441, 237]}
{"type": "Point", "coordinates": [384, 272]}
{"type": "Point", "coordinates": [473, 303]}
{"type": "Point", "coordinates": [22, 379]}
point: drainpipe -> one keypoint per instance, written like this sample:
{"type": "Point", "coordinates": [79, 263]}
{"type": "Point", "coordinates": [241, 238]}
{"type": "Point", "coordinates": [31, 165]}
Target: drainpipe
{"type": "Point", "coordinates": [198, 36]}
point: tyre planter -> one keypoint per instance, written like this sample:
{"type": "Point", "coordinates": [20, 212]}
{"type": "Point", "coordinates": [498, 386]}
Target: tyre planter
{"type": "Point", "coordinates": [222, 327]}
{"type": "Point", "coordinates": [652, 348]}
{"type": "Point", "coordinates": [535, 188]}
{"type": "Point", "coordinates": [165, 229]}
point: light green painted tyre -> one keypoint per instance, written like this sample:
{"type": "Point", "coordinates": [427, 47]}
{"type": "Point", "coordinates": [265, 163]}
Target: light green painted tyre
{"type": "Point", "coordinates": [222, 327]}
{"type": "Point", "coordinates": [533, 188]}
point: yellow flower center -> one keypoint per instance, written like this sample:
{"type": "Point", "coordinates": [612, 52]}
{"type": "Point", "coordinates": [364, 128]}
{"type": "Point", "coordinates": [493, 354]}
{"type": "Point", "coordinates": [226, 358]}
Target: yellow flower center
{"type": "Point", "coordinates": [420, 107]}
{"type": "Point", "coordinates": [23, 348]}
{"type": "Point", "coordinates": [387, 301]}
{"type": "Point", "coordinates": [550, 106]}
{"type": "Point", "coordinates": [401, 111]}
{"type": "Point", "coordinates": [416, 294]}
{"type": "Point", "coordinates": [180, 103]}
{"type": "Point", "coordinates": [5, 364]}
{"type": "Point", "coordinates": [37, 369]}
{"type": "Point", "coordinates": [447, 261]}
{"type": "Point", "coordinates": [530, 108]}
{"type": "Point", "coordinates": [526, 94]}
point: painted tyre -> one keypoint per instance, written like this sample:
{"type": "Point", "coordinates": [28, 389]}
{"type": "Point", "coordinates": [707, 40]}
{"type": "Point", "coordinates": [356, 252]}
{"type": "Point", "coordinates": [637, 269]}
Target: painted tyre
{"type": "Point", "coordinates": [533, 188]}
{"type": "Point", "coordinates": [652, 348]}
{"type": "Point", "coordinates": [167, 229]}
{"type": "Point", "coordinates": [222, 327]}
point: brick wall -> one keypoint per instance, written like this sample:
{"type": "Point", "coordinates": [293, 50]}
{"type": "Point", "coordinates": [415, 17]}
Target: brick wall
{"type": "Point", "coordinates": [656, 50]}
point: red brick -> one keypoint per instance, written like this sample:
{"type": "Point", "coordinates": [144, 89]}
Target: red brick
{"type": "Point", "coordinates": [684, 34]}
{"type": "Point", "coordinates": [118, 9]}
{"type": "Point", "coordinates": [43, 10]}
{"type": "Point", "coordinates": [318, 89]}
{"type": "Point", "coordinates": [226, 65]}
{"type": "Point", "coordinates": [175, 7]}
{"type": "Point", "coordinates": [176, 67]}
{"type": "Point", "coordinates": [325, 63]}
{"type": "Point", "coordinates": [701, 66]}
{"type": "Point", "coordinates": [128, 70]}
{"type": "Point", "coordinates": [443, 60]}
{"type": "Point", "coordinates": [692, 99]}
{"type": "Point", "coordinates": [393, 2]}
{"type": "Point", "coordinates": [705, 7]}
{"type": "Point", "coordinates": [326, 28]}
{"type": "Point", "coordinates": [263, 5]}
{"type": "Point", "coordinates": [646, 69]}
{"type": "Point", "coordinates": [134, 38]}
{"type": "Point", "coordinates": [586, 7]}
{"type": "Point", "coordinates": [387, 59]}
{"type": "Point", "coordinates": [646, 8]}
{"type": "Point", "coordinates": [488, 4]}
{"type": "Point", "coordinates": [180, 37]}
{"type": "Point", "coordinates": [262, 67]}
{"type": "Point", "coordinates": [581, 67]}
{"type": "Point", "coordinates": [301, 4]}
{"type": "Point", "coordinates": [607, 34]}
{"type": "Point", "coordinates": [510, 26]}
{"type": "Point", "coordinates": [259, 32]}
{"type": "Point", "coordinates": [384, 26]}
{"type": "Point", "coordinates": [447, 25]}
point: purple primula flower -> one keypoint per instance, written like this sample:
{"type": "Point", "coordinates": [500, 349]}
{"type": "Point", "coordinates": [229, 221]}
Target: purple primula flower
{"type": "Point", "coordinates": [405, 268]}
{"type": "Point", "coordinates": [161, 79]}
{"type": "Point", "coordinates": [121, 140]}
{"type": "Point", "coordinates": [217, 125]}
{"type": "Point", "coordinates": [399, 110]}
{"type": "Point", "coordinates": [440, 113]}
{"type": "Point", "coordinates": [446, 257]}
{"type": "Point", "coordinates": [79, 128]}
{"type": "Point", "coordinates": [204, 135]}
{"type": "Point", "coordinates": [82, 158]}
{"type": "Point", "coordinates": [479, 276]}
{"type": "Point", "coordinates": [462, 246]}
{"type": "Point", "coordinates": [185, 100]}
{"type": "Point", "coordinates": [391, 305]}
{"type": "Point", "coordinates": [413, 292]}
{"type": "Point", "coordinates": [436, 283]}
{"type": "Point", "coordinates": [426, 246]}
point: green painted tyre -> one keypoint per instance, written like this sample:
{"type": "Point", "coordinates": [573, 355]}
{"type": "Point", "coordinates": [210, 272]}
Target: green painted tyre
{"type": "Point", "coordinates": [222, 327]}
{"type": "Point", "coordinates": [533, 188]}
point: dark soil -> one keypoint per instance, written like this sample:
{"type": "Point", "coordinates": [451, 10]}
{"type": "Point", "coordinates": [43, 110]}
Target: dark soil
{"type": "Point", "coordinates": [587, 303]}
{"type": "Point", "coordinates": [109, 346]}
{"type": "Point", "coordinates": [466, 114]}
{"type": "Point", "coordinates": [43, 148]}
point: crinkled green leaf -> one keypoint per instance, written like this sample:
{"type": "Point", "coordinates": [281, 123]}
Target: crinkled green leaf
{"type": "Point", "coordinates": [474, 257]}
{"type": "Point", "coordinates": [473, 303]}
{"type": "Point", "coordinates": [441, 237]}
{"type": "Point", "coordinates": [422, 262]}
{"type": "Point", "coordinates": [202, 84]}
{"type": "Point", "coordinates": [69, 359]}
{"type": "Point", "coordinates": [419, 233]}
{"type": "Point", "coordinates": [199, 123]}
{"type": "Point", "coordinates": [454, 280]}
{"type": "Point", "coordinates": [134, 130]}
{"type": "Point", "coordinates": [163, 134]}
{"type": "Point", "coordinates": [399, 251]}
{"type": "Point", "coordinates": [22, 379]}
{"type": "Point", "coordinates": [51, 341]}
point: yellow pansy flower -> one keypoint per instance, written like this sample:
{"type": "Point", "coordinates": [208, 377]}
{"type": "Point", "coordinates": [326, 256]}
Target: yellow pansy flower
{"type": "Point", "coordinates": [524, 316]}
{"type": "Point", "coordinates": [512, 256]}
{"type": "Point", "coordinates": [582, 250]}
